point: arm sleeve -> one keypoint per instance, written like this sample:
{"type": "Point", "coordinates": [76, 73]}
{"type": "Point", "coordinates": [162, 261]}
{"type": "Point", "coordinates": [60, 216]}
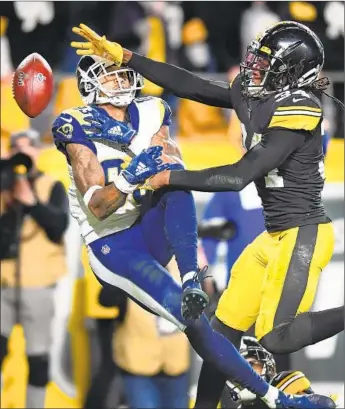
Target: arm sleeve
{"type": "Point", "coordinates": [53, 216]}
{"type": "Point", "coordinates": [271, 152]}
{"type": "Point", "coordinates": [182, 83]}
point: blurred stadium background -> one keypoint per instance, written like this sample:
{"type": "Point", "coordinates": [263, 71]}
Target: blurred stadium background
{"type": "Point", "coordinates": [202, 37]}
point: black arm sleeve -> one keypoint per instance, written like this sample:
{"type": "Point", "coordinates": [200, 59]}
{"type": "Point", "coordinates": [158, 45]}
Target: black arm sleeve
{"type": "Point", "coordinates": [182, 83]}
{"type": "Point", "coordinates": [53, 217]}
{"type": "Point", "coordinates": [271, 152]}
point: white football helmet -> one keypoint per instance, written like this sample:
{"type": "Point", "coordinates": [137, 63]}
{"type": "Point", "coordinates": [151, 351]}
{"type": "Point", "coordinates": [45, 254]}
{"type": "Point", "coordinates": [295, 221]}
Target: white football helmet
{"type": "Point", "coordinates": [91, 70]}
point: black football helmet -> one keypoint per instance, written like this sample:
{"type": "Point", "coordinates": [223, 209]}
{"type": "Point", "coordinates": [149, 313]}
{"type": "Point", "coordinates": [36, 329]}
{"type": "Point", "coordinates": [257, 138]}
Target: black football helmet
{"type": "Point", "coordinates": [253, 351]}
{"type": "Point", "coordinates": [287, 55]}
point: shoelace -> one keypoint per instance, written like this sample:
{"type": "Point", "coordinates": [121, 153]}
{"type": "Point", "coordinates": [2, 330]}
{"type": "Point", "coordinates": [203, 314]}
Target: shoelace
{"type": "Point", "coordinates": [200, 275]}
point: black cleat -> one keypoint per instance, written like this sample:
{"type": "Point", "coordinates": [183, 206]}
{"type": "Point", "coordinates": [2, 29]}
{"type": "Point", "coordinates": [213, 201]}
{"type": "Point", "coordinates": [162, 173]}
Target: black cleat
{"type": "Point", "coordinates": [194, 301]}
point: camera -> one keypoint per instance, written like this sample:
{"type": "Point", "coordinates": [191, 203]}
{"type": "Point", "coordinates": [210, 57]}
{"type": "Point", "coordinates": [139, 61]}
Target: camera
{"type": "Point", "coordinates": [10, 167]}
{"type": "Point", "coordinates": [11, 219]}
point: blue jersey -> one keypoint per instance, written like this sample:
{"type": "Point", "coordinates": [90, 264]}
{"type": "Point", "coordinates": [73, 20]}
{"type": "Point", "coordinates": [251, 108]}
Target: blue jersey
{"type": "Point", "coordinates": [146, 116]}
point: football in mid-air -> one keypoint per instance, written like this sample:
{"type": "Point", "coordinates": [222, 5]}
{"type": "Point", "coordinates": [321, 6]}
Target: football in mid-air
{"type": "Point", "coordinates": [33, 84]}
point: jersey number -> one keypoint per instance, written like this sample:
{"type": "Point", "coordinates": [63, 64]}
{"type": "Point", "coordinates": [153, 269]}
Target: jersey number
{"type": "Point", "coordinates": [279, 97]}
{"type": "Point", "coordinates": [273, 179]}
{"type": "Point", "coordinates": [112, 169]}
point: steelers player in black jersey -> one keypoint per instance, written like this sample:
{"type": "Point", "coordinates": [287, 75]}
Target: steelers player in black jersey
{"type": "Point", "coordinates": [277, 99]}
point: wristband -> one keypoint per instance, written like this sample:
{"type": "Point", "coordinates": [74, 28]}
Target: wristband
{"type": "Point", "coordinates": [124, 186]}
{"type": "Point", "coordinates": [89, 193]}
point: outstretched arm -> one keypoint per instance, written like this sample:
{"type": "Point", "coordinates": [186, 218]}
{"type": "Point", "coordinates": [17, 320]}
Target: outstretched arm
{"type": "Point", "coordinates": [88, 174]}
{"type": "Point", "coordinates": [271, 152]}
{"type": "Point", "coordinates": [180, 82]}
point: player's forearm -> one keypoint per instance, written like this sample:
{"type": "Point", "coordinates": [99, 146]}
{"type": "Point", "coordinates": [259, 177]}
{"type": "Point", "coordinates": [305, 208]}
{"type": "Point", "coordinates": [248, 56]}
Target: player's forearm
{"type": "Point", "coordinates": [269, 154]}
{"type": "Point", "coordinates": [181, 82]}
{"type": "Point", "coordinates": [220, 179]}
{"type": "Point", "coordinates": [106, 201]}
{"type": "Point", "coordinates": [254, 164]}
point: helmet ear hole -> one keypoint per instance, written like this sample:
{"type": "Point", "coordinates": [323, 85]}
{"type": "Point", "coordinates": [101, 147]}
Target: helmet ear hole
{"type": "Point", "coordinates": [281, 80]}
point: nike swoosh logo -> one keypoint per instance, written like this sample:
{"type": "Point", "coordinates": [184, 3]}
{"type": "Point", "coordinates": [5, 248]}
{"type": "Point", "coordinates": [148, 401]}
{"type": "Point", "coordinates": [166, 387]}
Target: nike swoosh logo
{"type": "Point", "coordinates": [67, 120]}
{"type": "Point", "coordinates": [296, 100]}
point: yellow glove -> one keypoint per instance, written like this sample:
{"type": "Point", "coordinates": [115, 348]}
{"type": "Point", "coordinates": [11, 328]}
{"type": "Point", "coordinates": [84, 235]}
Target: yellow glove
{"type": "Point", "coordinates": [146, 185]}
{"type": "Point", "coordinates": [97, 45]}
{"type": "Point", "coordinates": [125, 162]}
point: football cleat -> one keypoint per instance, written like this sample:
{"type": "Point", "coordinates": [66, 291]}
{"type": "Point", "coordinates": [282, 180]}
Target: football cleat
{"type": "Point", "coordinates": [194, 299]}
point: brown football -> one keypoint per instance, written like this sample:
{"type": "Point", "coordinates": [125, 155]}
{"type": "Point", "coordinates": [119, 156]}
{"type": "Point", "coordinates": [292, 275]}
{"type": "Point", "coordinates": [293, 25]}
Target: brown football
{"type": "Point", "coordinates": [33, 84]}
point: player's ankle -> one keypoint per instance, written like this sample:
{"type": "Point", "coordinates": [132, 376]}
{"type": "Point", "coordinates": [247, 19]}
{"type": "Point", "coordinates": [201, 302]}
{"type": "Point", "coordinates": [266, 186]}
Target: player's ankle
{"type": "Point", "coordinates": [189, 281]}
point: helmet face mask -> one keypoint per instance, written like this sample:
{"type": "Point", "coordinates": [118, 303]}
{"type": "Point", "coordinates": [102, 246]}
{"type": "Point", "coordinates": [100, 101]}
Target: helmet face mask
{"type": "Point", "coordinates": [101, 82]}
{"type": "Point", "coordinates": [258, 357]}
{"type": "Point", "coordinates": [288, 55]}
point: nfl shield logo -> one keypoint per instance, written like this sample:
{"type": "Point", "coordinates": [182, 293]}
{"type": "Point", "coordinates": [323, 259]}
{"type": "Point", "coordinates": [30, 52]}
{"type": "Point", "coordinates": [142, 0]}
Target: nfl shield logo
{"type": "Point", "coordinates": [105, 249]}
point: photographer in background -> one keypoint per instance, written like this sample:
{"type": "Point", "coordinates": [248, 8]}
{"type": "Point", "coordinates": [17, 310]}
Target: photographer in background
{"type": "Point", "coordinates": [34, 217]}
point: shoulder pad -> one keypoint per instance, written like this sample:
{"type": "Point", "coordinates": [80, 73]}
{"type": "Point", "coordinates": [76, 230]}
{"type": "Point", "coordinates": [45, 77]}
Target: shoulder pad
{"type": "Point", "coordinates": [164, 108]}
{"type": "Point", "coordinates": [236, 91]}
{"type": "Point", "coordinates": [291, 382]}
{"type": "Point", "coordinates": [236, 82]}
{"type": "Point", "coordinates": [165, 112]}
{"type": "Point", "coordinates": [67, 128]}
{"type": "Point", "coordinates": [296, 110]}
{"type": "Point", "coordinates": [143, 99]}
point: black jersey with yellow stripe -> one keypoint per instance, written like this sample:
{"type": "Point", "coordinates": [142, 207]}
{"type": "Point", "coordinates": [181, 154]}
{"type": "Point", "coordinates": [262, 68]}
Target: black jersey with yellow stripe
{"type": "Point", "coordinates": [291, 193]}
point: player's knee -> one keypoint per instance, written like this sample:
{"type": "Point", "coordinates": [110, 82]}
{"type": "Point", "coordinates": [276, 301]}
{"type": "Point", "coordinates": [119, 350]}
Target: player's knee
{"type": "Point", "coordinates": [290, 336]}
{"type": "Point", "coordinates": [3, 348]}
{"type": "Point", "coordinates": [272, 342]}
{"type": "Point", "coordinates": [38, 370]}
{"type": "Point", "coordinates": [280, 341]}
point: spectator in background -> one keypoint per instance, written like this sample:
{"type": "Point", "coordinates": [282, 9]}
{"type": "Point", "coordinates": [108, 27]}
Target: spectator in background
{"type": "Point", "coordinates": [6, 61]}
{"type": "Point", "coordinates": [254, 21]}
{"type": "Point", "coordinates": [195, 51]}
{"type": "Point", "coordinates": [222, 23]}
{"type": "Point", "coordinates": [129, 25]}
{"type": "Point", "coordinates": [195, 119]}
{"type": "Point", "coordinates": [326, 19]}
{"type": "Point", "coordinates": [30, 22]}
{"type": "Point", "coordinates": [12, 118]}
{"type": "Point", "coordinates": [154, 358]}
{"type": "Point", "coordinates": [34, 217]}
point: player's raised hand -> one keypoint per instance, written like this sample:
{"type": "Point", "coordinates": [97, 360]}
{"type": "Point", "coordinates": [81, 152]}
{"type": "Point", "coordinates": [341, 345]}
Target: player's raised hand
{"type": "Point", "coordinates": [97, 45]}
{"type": "Point", "coordinates": [102, 128]}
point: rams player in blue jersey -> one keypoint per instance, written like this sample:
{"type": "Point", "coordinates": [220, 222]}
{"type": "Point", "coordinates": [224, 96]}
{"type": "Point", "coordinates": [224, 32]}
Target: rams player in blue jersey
{"type": "Point", "coordinates": [291, 128]}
